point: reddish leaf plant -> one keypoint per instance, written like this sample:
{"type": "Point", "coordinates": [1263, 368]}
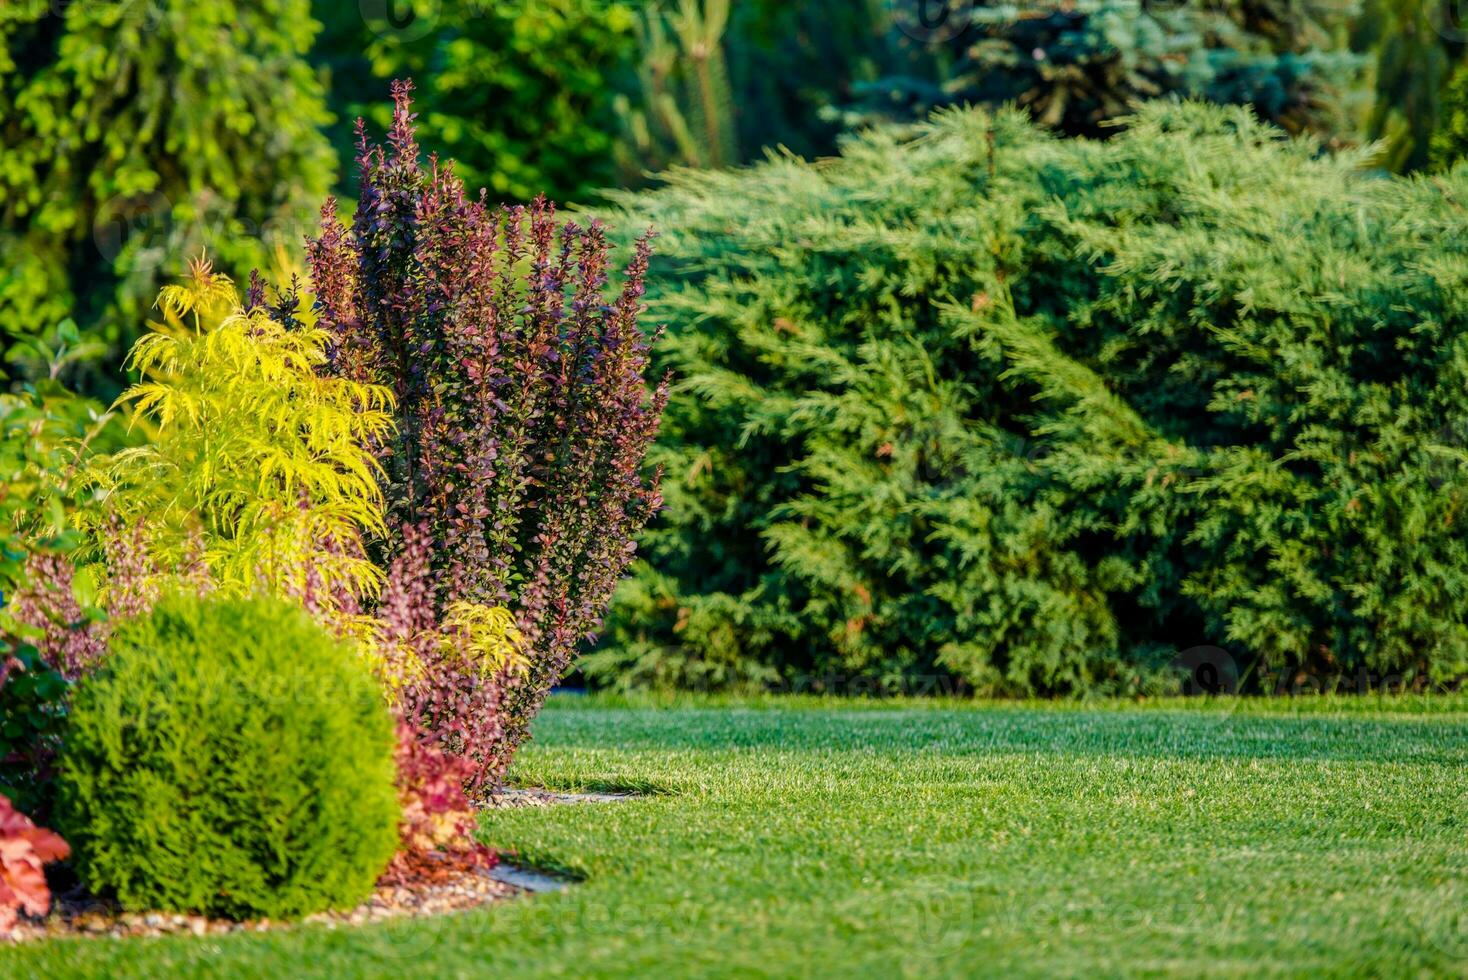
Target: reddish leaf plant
{"type": "Point", "coordinates": [447, 696]}
{"type": "Point", "coordinates": [438, 821]}
{"type": "Point", "coordinates": [25, 850]}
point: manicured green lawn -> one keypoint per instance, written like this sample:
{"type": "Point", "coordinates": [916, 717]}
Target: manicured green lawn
{"type": "Point", "coordinates": [800, 838]}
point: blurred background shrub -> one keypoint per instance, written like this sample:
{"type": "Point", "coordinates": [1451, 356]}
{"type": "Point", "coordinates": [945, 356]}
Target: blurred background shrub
{"type": "Point", "coordinates": [518, 94]}
{"type": "Point", "coordinates": [1078, 67]}
{"type": "Point", "coordinates": [1416, 49]}
{"type": "Point", "coordinates": [1037, 413]}
{"type": "Point", "coordinates": [134, 133]}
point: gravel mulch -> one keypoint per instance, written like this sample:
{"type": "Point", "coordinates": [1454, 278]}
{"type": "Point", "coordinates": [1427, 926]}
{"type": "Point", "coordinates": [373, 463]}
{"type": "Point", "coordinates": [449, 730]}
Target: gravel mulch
{"type": "Point", "coordinates": [81, 915]}
{"type": "Point", "coordinates": [507, 798]}
{"type": "Point", "coordinates": [449, 889]}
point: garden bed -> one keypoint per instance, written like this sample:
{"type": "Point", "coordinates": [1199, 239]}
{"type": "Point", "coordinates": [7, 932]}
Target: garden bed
{"type": "Point", "coordinates": [75, 913]}
{"type": "Point", "coordinates": [457, 890]}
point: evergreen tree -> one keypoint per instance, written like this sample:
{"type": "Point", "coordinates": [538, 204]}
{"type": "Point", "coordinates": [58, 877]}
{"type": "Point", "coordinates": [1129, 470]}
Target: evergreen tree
{"type": "Point", "coordinates": [1038, 414]}
{"type": "Point", "coordinates": [1079, 65]}
{"type": "Point", "coordinates": [1414, 45]}
{"type": "Point", "coordinates": [718, 82]}
{"type": "Point", "coordinates": [135, 133]}
{"type": "Point", "coordinates": [684, 112]}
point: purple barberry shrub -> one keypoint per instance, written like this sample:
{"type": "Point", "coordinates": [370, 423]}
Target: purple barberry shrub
{"type": "Point", "coordinates": [523, 414]}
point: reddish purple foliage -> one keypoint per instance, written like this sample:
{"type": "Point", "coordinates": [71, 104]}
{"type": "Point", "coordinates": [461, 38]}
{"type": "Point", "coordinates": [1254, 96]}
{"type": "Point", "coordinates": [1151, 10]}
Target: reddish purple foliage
{"type": "Point", "coordinates": [438, 823]}
{"type": "Point", "coordinates": [523, 414]}
{"type": "Point", "coordinates": [453, 703]}
{"type": "Point", "coordinates": [68, 640]}
{"type": "Point", "coordinates": [406, 607]}
{"type": "Point", "coordinates": [132, 572]}
{"type": "Point", "coordinates": [73, 640]}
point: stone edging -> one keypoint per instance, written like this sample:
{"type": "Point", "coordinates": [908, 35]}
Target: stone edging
{"type": "Point", "coordinates": [528, 879]}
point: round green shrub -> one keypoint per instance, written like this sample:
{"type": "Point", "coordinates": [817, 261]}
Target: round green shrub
{"type": "Point", "coordinates": [230, 758]}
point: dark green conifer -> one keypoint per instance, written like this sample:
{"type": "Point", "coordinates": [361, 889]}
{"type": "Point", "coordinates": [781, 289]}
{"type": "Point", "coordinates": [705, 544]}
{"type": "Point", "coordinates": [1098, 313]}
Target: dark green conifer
{"type": "Point", "coordinates": [1038, 414]}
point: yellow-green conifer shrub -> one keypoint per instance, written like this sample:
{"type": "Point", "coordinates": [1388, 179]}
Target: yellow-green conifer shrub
{"type": "Point", "coordinates": [230, 758]}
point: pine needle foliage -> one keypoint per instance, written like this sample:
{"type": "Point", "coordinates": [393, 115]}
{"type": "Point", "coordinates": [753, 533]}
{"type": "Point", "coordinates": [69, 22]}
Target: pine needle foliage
{"type": "Point", "coordinates": [1037, 414]}
{"type": "Point", "coordinates": [685, 112]}
{"type": "Point", "coordinates": [229, 758]}
{"type": "Point", "coordinates": [254, 458]}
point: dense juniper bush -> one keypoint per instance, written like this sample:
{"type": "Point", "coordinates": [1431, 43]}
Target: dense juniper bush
{"type": "Point", "coordinates": [1037, 414]}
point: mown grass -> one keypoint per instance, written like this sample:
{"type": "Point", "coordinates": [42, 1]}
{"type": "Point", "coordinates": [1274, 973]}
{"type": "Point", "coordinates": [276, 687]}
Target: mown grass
{"type": "Point", "coordinates": [816, 838]}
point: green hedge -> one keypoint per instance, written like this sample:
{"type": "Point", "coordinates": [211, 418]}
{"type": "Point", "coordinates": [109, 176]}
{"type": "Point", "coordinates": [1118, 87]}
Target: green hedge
{"type": "Point", "coordinates": [1038, 414]}
{"type": "Point", "coordinates": [230, 758]}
